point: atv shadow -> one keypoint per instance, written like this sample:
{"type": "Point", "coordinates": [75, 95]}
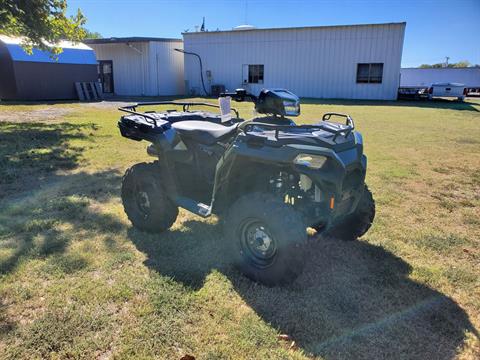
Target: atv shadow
{"type": "Point", "coordinates": [187, 255]}
{"type": "Point", "coordinates": [353, 301]}
{"type": "Point", "coordinates": [28, 227]}
{"type": "Point", "coordinates": [30, 152]}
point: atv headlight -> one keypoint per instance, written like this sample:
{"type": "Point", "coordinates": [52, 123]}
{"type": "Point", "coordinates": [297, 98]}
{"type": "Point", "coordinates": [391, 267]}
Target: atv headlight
{"type": "Point", "coordinates": [311, 161]}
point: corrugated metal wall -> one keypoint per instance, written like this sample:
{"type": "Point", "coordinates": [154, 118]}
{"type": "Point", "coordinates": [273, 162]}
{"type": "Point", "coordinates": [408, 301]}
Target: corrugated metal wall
{"type": "Point", "coordinates": [129, 66]}
{"type": "Point", "coordinates": [144, 68]}
{"type": "Point", "coordinates": [318, 62]}
{"type": "Point", "coordinates": [470, 77]}
{"type": "Point", "coordinates": [166, 68]}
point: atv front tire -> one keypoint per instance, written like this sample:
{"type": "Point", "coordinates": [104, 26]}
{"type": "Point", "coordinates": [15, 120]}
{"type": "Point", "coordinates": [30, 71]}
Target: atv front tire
{"type": "Point", "coordinates": [144, 199]}
{"type": "Point", "coordinates": [267, 239]}
{"type": "Point", "coordinates": [358, 223]}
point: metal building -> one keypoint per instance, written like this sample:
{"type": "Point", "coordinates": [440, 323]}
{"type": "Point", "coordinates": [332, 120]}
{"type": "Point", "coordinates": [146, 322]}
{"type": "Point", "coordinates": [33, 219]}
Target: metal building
{"type": "Point", "coordinates": [40, 76]}
{"type": "Point", "coordinates": [139, 66]}
{"type": "Point", "coordinates": [350, 62]}
{"type": "Point", "coordinates": [419, 77]}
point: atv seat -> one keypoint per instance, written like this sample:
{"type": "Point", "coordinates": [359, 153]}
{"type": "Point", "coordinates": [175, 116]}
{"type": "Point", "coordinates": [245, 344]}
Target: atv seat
{"type": "Point", "coordinates": [204, 132]}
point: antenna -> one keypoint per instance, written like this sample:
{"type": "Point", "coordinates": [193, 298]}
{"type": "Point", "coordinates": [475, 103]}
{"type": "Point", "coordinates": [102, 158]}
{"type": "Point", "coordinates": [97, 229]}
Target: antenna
{"type": "Point", "coordinates": [246, 11]}
{"type": "Point", "coordinates": [446, 60]}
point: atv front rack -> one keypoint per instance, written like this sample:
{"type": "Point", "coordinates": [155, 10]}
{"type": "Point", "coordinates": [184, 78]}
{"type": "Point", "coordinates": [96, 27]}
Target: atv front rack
{"type": "Point", "coordinates": [334, 128]}
{"type": "Point", "coordinates": [349, 120]}
{"type": "Point", "coordinates": [132, 109]}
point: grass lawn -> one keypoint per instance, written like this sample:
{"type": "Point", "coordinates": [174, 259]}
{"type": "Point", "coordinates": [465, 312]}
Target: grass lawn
{"type": "Point", "coordinates": [77, 281]}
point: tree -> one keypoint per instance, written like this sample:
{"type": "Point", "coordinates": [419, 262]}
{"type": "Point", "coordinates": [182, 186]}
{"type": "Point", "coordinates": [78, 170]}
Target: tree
{"type": "Point", "coordinates": [430, 66]}
{"type": "Point", "coordinates": [462, 64]}
{"type": "Point", "coordinates": [41, 23]}
{"type": "Point", "coordinates": [92, 34]}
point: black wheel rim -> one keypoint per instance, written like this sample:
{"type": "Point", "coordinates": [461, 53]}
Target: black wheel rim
{"type": "Point", "coordinates": [142, 200]}
{"type": "Point", "coordinates": [258, 246]}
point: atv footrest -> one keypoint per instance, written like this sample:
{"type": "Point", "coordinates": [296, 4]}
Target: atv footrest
{"type": "Point", "coordinates": [197, 208]}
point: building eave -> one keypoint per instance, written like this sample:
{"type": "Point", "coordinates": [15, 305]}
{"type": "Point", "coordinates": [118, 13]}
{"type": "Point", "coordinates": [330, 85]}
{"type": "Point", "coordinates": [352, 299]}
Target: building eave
{"type": "Point", "coordinates": [289, 28]}
{"type": "Point", "coordinates": [123, 40]}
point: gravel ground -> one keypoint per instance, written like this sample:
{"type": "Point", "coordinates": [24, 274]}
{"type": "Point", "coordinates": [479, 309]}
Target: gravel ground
{"type": "Point", "coordinates": [47, 114]}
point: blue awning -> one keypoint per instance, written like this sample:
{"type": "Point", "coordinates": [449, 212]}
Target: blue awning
{"type": "Point", "coordinates": [71, 54]}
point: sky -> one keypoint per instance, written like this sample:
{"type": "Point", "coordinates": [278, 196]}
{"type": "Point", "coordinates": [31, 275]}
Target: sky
{"type": "Point", "coordinates": [435, 28]}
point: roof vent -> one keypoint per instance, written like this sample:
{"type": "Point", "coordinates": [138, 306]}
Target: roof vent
{"type": "Point", "coordinates": [244, 27]}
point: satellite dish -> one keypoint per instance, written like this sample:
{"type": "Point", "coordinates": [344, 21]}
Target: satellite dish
{"type": "Point", "coordinates": [244, 27]}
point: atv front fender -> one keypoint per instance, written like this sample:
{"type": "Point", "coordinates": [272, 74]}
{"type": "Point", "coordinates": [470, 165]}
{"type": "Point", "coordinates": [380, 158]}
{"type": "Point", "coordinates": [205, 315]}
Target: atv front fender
{"type": "Point", "coordinates": [245, 168]}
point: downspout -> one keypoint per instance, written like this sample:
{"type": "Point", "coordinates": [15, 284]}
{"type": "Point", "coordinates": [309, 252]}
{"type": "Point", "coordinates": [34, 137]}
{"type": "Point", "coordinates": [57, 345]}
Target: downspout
{"type": "Point", "coordinates": [201, 67]}
{"type": "Point", "coordinates": [134, 48]}
{"type": "Point", "coordinates": [158, 75]}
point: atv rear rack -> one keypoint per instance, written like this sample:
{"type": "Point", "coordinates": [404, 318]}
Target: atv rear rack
{"type": "Point", "coordinates": [132, 109]}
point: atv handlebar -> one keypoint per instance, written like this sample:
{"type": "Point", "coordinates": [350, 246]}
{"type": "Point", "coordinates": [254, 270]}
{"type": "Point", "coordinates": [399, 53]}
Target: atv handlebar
{"type": "Point", "coordinates": [239, 95]}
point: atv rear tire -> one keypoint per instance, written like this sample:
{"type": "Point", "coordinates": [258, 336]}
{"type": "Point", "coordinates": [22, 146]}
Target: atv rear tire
{"type": "Point", "coordinates": [358, 223]}
{"type": "Point", "coordinates": [144, 199]}
{"type": "Point", "coordinates": [266, 239]}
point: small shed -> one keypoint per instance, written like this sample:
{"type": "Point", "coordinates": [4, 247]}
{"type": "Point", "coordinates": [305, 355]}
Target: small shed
{"type": "Point", "coordinates": [40, 76]}
{"type": "Point", "coordinates": [139, 66]}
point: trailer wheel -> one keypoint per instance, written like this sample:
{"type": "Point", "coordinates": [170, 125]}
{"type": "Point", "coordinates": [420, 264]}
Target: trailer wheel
{"type": "Point", "coordinates": [266, 239]}
{"type": "Point", "coordinates": [358, 223]}
{"type": "Point", "coordinates": [144, 199]}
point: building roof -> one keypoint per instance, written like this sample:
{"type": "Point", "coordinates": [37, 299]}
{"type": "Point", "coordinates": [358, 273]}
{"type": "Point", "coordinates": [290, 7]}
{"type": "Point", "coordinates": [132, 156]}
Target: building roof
{"type": "Point", "coordinates": [448, 84]}
{"type": "Point", "coordinates": [289, 28]}
{"type": "Point", "coordinates": [73, 53]}
{"type": "Point", "coordinates": [117, 40]}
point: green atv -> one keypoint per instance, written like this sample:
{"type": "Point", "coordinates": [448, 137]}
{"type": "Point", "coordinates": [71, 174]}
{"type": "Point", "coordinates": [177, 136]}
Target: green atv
{"type": "Point", "coordinates": [267, 178]}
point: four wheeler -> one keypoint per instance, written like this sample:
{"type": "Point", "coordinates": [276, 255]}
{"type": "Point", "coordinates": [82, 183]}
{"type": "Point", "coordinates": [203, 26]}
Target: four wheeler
{"type": "Point", "coordinates": [267, 179]}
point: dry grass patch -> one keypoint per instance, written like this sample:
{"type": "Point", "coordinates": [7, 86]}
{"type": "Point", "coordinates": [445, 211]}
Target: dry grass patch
{"type": "Point", "coordinates": [77, 281]}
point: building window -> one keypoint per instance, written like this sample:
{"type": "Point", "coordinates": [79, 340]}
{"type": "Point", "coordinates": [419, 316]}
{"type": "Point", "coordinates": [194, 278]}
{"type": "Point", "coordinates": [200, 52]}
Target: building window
{"type": "Point", "coordinates": [370, 73]}
{"type": "Point", "coordinates": [254, 75]}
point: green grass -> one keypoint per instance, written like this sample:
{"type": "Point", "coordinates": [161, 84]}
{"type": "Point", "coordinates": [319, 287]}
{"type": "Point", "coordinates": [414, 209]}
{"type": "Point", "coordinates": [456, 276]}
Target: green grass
{"type": "Point", "coordinates": [77, 281]}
